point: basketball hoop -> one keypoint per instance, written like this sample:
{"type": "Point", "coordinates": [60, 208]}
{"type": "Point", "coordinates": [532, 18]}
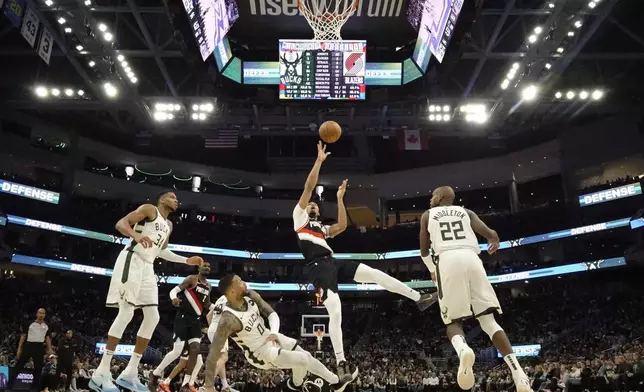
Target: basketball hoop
{"type": "Point", "coordinates": [319, 335]}
{"type": "Point", "coordinates": [326, 18]}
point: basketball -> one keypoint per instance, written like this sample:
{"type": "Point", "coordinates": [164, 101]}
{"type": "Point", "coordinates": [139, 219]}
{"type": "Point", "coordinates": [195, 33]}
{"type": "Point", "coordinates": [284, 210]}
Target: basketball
{"type": "Point", "coordinates": [330, 131]}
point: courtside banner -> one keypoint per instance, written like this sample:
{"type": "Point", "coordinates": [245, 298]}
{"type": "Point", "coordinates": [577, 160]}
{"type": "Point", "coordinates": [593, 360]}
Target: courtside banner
{"type": "Point", "coordinates": [122, 350]}
{"type": "Point", "coordinates": [529, 350]}
{"type": "Point", "coordinates": [29, 192]}
{"type": "Point", "coordinates": [620, 192]}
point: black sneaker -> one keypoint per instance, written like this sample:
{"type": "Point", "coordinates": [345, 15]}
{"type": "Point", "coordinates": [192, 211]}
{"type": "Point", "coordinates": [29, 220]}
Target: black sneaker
{"type": "Point", "coordinates": [292, 387]}
{"type": "Point", "coordinates": [345, 379]}
{"type": "Point", "coordinates": [153, 382]}
{"type": "Point", "coordinates": [427, 300]}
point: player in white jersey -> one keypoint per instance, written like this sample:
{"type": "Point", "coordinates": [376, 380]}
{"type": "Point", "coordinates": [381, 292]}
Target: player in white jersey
{"type": "Point", "coordinates": [134, 285]}
{"type": "Point", "coordinates": [264, 347]}
{"type": "Point", "coordinates": [463, 288]}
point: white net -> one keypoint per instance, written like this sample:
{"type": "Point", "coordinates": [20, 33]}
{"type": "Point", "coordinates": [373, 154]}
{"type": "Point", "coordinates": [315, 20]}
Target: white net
{"type": "Point", "coordinates": [326, 17]}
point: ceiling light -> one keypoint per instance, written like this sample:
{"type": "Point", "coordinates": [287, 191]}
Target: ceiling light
{"type": "Point", "coordinates": [195, 116]}
{"type": "Point", "coordinates": [170, 116]}
{"type": "Point", "coordinates": [558, 94]}
{"type": "Point", "coordinates": [69, 92]}
{"type": "Point", "coordinates": [210, 107]}
{"type": "Point", "coordinates": [583, 95]}
{"type": "Point", "coordinates": [560, 49]}
{"type": "Point", "coordinates": [130, 74]}
{"type": "Point", "coordinates": [432, 117]}
{"type": "Point", "coordinates": [446, 108]}
{"type": "Point", "coordinates": [177, 107]}
{"type": "Point", "coordinates": [578, 24]}
{"type": "Point", "coordinates": [134, 79]}
{"type": "Point", "coordinates": [108, 37]}
{"type": "Point", "coordinates": [55, 92]}
{"type": "Point", "coordinates": [110, 90]}
{"type": "Point", "coordinates": [79, 47]}
{"type": "Point", "coordinates": [551, 5]}
{"type": "Point", "coordinates": [515, 66]}
{"type": "Point", "coordinates": [570, 94]}
{"type": "Point", "coordinates": [49, 3]}
{"type": "Point", "coordinates": [124, 63]}
{"type": "Point", "coordinates": [127, 69]}
{"type": "Point", "coordinates": [88, 2]}
{"type": "Point", "coordinates": [529, 93]}
{"type": "Point", "coordinates": [41, 91]}
{"type": "Point", "coordinates": [538, 30]}
{"type": "Point", "coordinates": [61, 20]}
{"type": "Point", "coordinates": [446, 117]}
{"type": "Point", "coordinates": [432, 108]}
{"type": "Point", "coordinates": [159, 107]}
{"type": "Point", "coordinates": [571, 34]}
{"type": "Point", "coordinates": [160, 116]}
{"type": "Point", "coordinates": [532, 39]}
{"type": "Point", "coordinates": [195, 107]}
{"type": "Point", "coordinates": [592, 5]}
{"type": "Point", "coordinates": [68, 30]}
{"type": "Point", "coordinates": [597, 95]}
{"type": "Point", "coordinates": [91, 63]}
{"type": "Point", "coordinates": [102, 27]}
{"type": "Point", "coordinates": [548, 66]}
{"type": "Point", "coordinates": [202, 116]}
{"type": "Point", "coordinates": [120, 57]}
{"type": "Point", "coordinates": [505, 84]}
{"type": "Point", "coordinates": [81, 93]}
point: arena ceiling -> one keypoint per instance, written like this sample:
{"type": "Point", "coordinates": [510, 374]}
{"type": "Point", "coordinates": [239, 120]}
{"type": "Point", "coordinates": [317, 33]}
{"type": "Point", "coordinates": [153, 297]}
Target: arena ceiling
{"type": "Point", "coordinates": [605, 52]}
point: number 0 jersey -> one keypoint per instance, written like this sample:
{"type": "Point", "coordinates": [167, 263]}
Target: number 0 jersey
{"type": "Point", "coordinates": [254, 331]}
{"type": "Point", "coordinates": [450, 228]}
{"type": "Point", "coordinates": [158, 230]}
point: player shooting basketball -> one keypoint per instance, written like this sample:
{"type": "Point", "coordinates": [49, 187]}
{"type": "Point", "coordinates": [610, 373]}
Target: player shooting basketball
{"type": "Point", "coordinates": [325, 271]}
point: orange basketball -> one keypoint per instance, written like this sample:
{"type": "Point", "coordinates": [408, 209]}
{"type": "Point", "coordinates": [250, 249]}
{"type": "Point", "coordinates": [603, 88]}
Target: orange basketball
{"type": "Point", "coordinates": [330, 131]}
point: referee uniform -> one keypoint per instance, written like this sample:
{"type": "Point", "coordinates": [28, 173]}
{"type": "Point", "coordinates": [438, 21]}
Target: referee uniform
{"type": "Point", "coordinates": [33, 338]}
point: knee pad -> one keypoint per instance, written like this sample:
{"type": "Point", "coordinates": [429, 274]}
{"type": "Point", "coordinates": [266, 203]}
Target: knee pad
{"type": "Point", "coordinates": [149, 323]}
{"type": "Point", "coordinates": [123, 318]}
{"type": "Point", "coordinates": [333, 305]}
{"type": "Point", "coordinates": [489, 324]}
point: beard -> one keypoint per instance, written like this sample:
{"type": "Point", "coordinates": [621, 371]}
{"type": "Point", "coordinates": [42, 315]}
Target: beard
{"type": "Point", "coordinates": [313, 215]}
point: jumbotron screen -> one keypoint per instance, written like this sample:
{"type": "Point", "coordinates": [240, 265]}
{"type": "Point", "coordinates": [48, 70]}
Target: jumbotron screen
{"type": "Point", "coordinates": [312, 69]}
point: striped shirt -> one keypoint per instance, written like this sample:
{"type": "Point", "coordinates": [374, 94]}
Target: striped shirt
{"type": "Point", "coordinates": [311, 235]}
{"type": "Point", "coordinates": [36, 332]}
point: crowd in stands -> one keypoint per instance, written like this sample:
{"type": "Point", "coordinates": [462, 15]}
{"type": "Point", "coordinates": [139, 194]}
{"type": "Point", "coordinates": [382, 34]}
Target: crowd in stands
{"type": "Point", "coordinates": [588, 326]}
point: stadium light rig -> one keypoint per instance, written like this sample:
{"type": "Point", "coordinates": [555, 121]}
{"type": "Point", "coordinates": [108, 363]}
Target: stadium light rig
{"type": "Point", "coordinates": [125, 66]}
{"type": "Point", "coordinates": [529, 93]}
{"type": "Point", "coordinates": [440, 113]}
{"type": "Point", "coordinates": [201, 112]}
{"type": "Point", "coordinates": [44, 92]}
{"type": "Point", "coordinates": [166, 111]}
{"type": "Point", "coordinates": [582, 95]}
{"type": "Point", "coordinates": [110, 90]}
{"type": "Point", "coordinates": [475, 113]}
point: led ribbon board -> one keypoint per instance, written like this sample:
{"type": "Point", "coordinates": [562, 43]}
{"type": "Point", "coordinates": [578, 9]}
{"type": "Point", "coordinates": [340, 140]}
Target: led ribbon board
{"type": "Point", "coordinates": [419, 284]}
{"type": "Point", "coordinates": [527, 350]}
{"type": "Point", "coordinates": [29, 192]}
{"type": "Point", "coordinates": [403, 254]}
{"type": "Point", "coordinates": [620, 192]}
{"type": "Point", "coordinates": [122, 350]}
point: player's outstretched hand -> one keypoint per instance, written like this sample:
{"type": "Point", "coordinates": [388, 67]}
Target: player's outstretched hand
{"type": "Point", "coordinates": [322, 154]}
{"type": "Point", "coordinates": [176, 301]}
{"type": "Point", "coordinates": [342, 189]}
{"type": "Point", "coordinates": [144, 240]}
{"type": "Point", "coordinates": [492, 247]}
{"type": "Point", "coordinates": [271, 338]}
{"type": "Point", "coordinates": [194, 260]}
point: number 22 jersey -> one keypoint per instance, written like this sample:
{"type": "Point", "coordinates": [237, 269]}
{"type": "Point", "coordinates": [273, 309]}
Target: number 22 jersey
{"type": "Point", "coordinates": [450, 228]}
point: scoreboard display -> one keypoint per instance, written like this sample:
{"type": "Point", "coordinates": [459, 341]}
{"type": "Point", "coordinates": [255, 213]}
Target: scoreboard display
{"type": "Point", "coordinates": [312, 69]}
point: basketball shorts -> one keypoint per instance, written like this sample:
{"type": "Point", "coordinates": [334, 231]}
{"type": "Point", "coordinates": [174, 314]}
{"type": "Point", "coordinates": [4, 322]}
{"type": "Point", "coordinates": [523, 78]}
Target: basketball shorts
{"type": "Point", "coordinates": [263, 357]}
{"type": "Point", "coordinates": [463, 288]}
{"type": "Point", "coordinates": [211, 335]}
{"type": "Point", "coordinates": [325, 274]}
{"type": "Point", "coordinates": [133, 281]}
{"type": "Point", "coordinates": [187, 328]}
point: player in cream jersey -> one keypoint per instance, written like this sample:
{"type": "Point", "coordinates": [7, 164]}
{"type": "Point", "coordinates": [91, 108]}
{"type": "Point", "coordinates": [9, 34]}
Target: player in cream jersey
{"type": "Point", "coordinates": [264, 347]}
{"type": "Point", "coordinates": [464, 290]}
{"type": "Point", "coordinates": [134, 286]}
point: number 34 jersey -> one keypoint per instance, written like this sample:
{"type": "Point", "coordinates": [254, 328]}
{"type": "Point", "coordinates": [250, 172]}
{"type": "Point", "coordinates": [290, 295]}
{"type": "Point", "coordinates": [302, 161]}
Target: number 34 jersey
{"type": "Point", "coordinates": [254, 332]}
{"type": "Point", "coordinates": [450, 228]}
{"type": "Point", "coordinates": [158, 230]}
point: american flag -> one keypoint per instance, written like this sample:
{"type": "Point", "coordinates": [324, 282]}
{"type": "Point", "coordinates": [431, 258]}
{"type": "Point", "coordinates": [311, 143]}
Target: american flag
{"type": "Point", "coordinates": [223, 138]}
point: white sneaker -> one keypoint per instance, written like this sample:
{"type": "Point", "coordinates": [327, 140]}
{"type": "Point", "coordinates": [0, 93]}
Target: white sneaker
{"type": "Point", "coordinates": [465, 376]}
{"type": "Point", "coordinates": [523, 384]}
{"type": "Point", "coordinates": [102, 383]}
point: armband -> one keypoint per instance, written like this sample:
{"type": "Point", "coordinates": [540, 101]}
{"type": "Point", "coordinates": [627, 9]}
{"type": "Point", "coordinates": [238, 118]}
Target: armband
{"type": "Point", "coordinates": [174, 292]}
{"type": "Point", "coordinates": [429, 262]}
{"type": "Point", "coordinates": [274, 322]}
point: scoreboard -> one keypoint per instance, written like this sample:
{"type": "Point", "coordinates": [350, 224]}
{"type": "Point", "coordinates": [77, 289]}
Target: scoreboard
{"type": "Point", "coordinates": [312, 69]}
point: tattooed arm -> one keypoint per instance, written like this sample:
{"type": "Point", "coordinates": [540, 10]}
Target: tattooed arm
{"type": "Point", "coordinates": [228, 325]}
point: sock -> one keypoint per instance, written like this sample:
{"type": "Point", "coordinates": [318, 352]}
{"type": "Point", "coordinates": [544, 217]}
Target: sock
{"type": "Point", "coordinates": [186, 379]}
{"type": "Point", "coordinates": [224, 383]}
{"type": "Point", "coordinates": [513, 364]}
{"type": "Point", "coordinates": [459, 343]}
{"type": "Point", "coordinates": [365, 274]}
{"type": "Point", "coordinates": [132, 367]}
{"type": "Point", "coordinates": [106, 361]}
{"type": "Point", "coordinates": [167, 381]}
{"type": "Point", "coordinates": [316, 367]}
{"type": "Point", "coordinates": [196, 369]}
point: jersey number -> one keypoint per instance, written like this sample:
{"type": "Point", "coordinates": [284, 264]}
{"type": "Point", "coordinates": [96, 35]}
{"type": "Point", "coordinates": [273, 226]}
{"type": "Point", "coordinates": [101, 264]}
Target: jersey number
{"type": "Point", "coordinates": [452, 231]}
{"type": "Point", "coordinates": [219, 309]}
{"type": "Point", "coordinates": [158, 241]}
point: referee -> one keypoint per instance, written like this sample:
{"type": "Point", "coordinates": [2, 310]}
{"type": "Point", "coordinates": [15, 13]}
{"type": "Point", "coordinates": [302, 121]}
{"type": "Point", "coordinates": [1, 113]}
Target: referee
{"type": "Point", "coordinates": [35, 335]}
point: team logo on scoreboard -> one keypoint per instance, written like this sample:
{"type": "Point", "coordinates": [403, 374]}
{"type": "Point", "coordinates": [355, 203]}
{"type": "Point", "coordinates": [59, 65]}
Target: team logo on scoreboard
{"type": "Point", "coordinates": [291, 68]}
{"type": "Point", "coordinates": [354, 64]}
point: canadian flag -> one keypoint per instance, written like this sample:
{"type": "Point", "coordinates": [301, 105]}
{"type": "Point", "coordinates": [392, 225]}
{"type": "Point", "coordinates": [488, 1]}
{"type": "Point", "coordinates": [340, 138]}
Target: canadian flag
{"type": "Point", "coordinates": [411, 139]}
